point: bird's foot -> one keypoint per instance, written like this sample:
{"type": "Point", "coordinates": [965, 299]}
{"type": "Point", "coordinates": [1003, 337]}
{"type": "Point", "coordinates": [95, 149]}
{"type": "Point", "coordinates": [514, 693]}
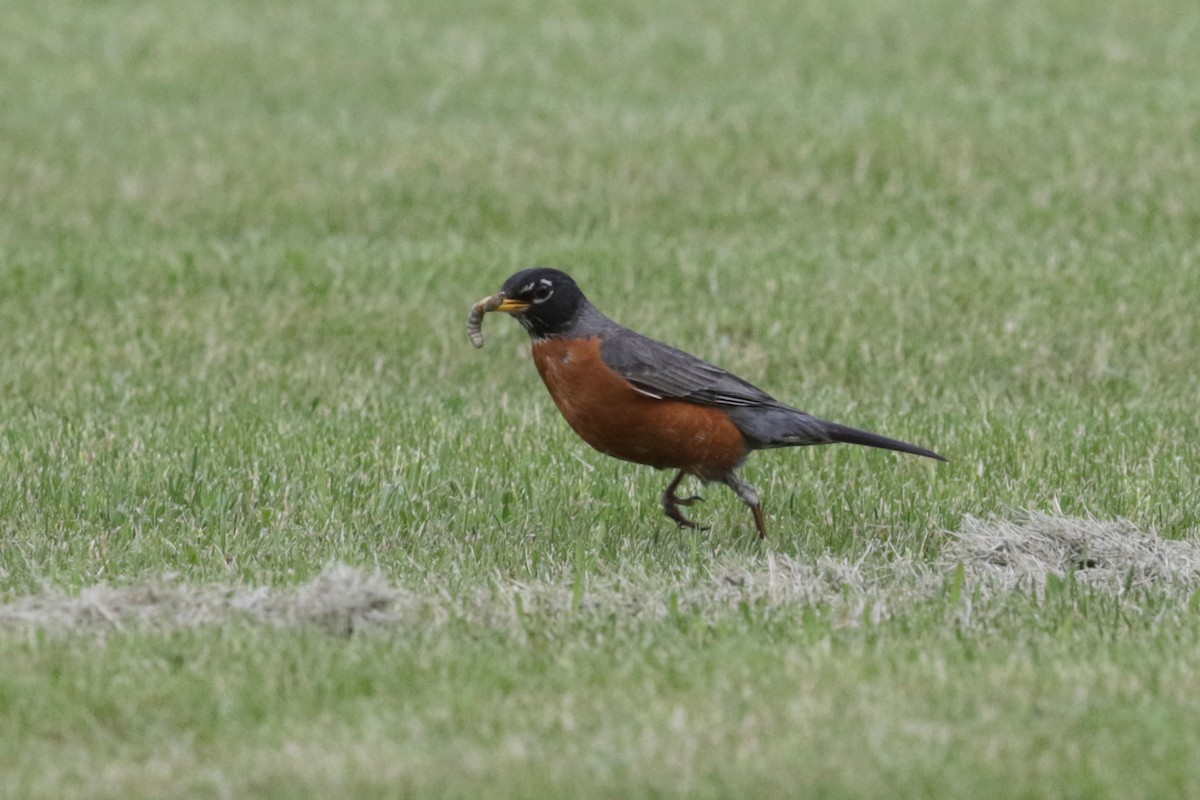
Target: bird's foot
{"type": "Point", "coordinates": [671, 504]}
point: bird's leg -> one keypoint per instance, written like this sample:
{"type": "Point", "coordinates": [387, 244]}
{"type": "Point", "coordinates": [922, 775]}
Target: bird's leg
{"type": "Point", "coordinates": [674, 499]}
{"type": "Point", "coordinates": [671, 504]}
{"type": "Point", "coordinates": [746, 493]}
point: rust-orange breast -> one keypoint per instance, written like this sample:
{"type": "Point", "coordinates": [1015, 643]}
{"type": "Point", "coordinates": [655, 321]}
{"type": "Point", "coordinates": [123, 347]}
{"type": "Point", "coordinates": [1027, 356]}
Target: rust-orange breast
{"type": "Point", "coordinates": [616, 419]}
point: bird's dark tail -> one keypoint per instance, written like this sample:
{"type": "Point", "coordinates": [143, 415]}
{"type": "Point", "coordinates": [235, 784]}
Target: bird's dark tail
{"type": "Point", "coordinates": [842, 433]}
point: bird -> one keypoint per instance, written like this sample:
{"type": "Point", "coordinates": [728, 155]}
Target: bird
{"type": "Point", "coordinates": [637, 399]}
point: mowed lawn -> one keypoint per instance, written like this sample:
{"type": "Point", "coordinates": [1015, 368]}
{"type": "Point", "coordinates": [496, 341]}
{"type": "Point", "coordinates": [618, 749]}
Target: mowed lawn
{"type": "Point", "coordinates": [271, 527]}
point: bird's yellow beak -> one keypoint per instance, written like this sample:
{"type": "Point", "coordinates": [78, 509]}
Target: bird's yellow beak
{"type": "Point", "coordinates": [511, 306]}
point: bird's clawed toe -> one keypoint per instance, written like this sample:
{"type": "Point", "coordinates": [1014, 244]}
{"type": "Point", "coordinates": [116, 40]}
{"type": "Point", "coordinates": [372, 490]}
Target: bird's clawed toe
{"type": "Point", "coordinates": [675, 514]}
{"type": "Point", "coordinates": [671, 503]}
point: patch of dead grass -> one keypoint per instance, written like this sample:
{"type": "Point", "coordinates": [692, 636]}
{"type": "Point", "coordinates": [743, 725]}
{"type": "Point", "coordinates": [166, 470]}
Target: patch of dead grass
{"type": "Point", "coordinates": [998, 556]}
{"type": "Point", "coordinates": [1116, 555]}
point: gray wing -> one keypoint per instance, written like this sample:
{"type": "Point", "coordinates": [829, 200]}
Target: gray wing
{"type": "Point", "coordinates": [661, 371]}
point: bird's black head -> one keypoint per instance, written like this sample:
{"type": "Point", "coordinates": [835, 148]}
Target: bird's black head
{"type": "Point", "coordinates": [545, 301]}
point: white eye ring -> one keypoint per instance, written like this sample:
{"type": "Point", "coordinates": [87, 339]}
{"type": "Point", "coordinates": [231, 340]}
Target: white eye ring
{"type": "Point", "coordinates": [543, 293]}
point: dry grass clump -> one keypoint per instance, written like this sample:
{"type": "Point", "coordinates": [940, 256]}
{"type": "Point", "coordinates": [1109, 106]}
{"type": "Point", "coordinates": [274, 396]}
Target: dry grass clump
{"type": "Point", "coordinates": [1020, 552]}
{"type": "Point", "coordinates": [342, 599]}
{"type": "Point", "coordinates": [998, 556]}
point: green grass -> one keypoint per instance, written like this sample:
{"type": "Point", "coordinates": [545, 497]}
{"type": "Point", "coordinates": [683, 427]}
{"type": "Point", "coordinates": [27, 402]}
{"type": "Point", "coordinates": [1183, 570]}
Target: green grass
{"type": "Point", "coordinates": [237, 246]}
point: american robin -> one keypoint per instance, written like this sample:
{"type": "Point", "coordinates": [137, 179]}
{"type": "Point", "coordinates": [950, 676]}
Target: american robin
{"type": "Point", "coordinates": [640, 400]}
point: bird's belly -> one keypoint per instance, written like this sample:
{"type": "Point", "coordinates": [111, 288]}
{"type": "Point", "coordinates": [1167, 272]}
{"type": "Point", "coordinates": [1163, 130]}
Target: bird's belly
{"type": "Point", "coordinates": [616, 419]}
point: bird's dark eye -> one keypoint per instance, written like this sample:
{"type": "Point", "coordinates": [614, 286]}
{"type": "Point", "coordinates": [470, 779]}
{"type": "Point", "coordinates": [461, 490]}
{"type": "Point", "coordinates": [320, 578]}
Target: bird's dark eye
{"type": "Point", "coordinates": [542, 293]}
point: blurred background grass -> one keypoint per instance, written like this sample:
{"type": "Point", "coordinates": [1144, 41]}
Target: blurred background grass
{"type": "Point", "coordinates": [238, 243]}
